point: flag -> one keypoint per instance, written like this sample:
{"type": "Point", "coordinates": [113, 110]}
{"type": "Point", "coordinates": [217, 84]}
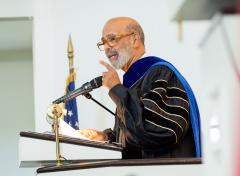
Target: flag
{"type": "Point", "coordinates": [71, 106]}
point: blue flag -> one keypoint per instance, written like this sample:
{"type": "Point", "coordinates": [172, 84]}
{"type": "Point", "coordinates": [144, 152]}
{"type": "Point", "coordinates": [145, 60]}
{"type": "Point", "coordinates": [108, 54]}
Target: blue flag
{"type": "Point", "coordinates": [71, 106]}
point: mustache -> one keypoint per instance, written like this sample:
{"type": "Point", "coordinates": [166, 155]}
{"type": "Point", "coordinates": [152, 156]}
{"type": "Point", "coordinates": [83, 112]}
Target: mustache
{"type": "Point", "coordinates": [110, 53]}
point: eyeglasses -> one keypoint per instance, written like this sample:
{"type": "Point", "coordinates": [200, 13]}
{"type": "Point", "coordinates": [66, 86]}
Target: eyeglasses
{"type": "Point", "coordinates": [111, 40]}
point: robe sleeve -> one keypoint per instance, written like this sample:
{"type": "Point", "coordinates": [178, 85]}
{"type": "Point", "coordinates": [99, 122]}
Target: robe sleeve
{"type": "Point", "coordinates": [154, 115]}
{"type": "Point", "coordinates": [111, 134]}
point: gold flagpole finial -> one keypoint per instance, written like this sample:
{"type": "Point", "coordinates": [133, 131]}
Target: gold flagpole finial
{"type": "Point", "coordinates": [70, 54]}
{"type": "Point", "coordinates": [70, 47]}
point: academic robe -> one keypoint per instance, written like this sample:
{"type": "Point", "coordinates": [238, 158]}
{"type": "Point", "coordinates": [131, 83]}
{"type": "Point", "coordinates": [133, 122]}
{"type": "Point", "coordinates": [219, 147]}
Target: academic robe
{"type": "Point", "coordinates": [153, 113]}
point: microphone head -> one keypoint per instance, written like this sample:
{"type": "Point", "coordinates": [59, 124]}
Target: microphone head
{"type": "Point", "coordinates": [96, 82]}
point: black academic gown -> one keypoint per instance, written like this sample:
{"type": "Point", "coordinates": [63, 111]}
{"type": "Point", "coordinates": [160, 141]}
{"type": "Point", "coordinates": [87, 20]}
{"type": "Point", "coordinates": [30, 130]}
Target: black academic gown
{"type": "Point", "coordinates": [152, 117]}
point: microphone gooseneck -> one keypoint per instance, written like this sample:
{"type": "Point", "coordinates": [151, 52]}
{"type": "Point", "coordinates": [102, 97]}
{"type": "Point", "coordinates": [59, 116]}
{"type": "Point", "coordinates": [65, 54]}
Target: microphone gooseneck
{"type": "Point", "coordinates": [85, 88]}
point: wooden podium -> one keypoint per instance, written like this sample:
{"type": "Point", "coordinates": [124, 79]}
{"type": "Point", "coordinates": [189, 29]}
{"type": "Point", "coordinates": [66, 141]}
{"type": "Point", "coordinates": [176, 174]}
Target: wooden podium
{"type": "Point", "coordinates": [131, 167]}
{"type": "Point", "coordinates": [38, 149]}
{"type": "Point", "coordinates": [90, 158]}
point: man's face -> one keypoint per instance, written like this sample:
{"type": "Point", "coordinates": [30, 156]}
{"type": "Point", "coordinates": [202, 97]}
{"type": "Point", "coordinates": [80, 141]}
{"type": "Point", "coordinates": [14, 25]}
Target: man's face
{"type": "Point", "coordinates": [118, 47]}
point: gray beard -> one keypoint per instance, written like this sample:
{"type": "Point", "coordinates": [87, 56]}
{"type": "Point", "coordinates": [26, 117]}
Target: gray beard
{"type": "Point", "coordinates": [123, 58]}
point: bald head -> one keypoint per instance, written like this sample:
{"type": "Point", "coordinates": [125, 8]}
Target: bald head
{"type": "Point", "coordinates": [124, 25]}
{"type": "Point", "coordinates": [123, 41]}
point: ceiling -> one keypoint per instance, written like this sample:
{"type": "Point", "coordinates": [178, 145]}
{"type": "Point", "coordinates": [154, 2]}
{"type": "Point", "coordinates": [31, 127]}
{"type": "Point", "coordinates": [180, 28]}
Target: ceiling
{"type": "Point", "coordinates": [15, 33]}
{"type": "Point", "coordinates": [203, 9]}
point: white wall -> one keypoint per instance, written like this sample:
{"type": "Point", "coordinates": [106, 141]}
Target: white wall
{"type": "Point", "coordinates": [220, 97]}
{"type": "Point", "coordinates": [15, 8]}
{"type": "Point", "coordinates": [54, 20]}
{"type": "Point", "coordinates": [16, 77]}
{"type": "Point", "coordinates": [17, 109]}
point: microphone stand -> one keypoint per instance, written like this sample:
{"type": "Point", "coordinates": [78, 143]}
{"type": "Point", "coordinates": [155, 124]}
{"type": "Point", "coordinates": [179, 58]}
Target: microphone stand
{"type": "Point", "coordinates": [89, 96]}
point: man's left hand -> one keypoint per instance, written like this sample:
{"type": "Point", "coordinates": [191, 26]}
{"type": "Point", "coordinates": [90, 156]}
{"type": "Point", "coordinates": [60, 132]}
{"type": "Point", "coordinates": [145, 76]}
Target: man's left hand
{"type": "Point", "coordinates": [110, 78]}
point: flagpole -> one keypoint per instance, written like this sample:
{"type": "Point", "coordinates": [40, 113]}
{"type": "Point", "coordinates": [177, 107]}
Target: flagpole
{"type": "Point", "coordinates": [72, 115]}
{"type": "Point", "coordinates": [57, 113]}
{"type": "Point", "coordinates": [70, 54]}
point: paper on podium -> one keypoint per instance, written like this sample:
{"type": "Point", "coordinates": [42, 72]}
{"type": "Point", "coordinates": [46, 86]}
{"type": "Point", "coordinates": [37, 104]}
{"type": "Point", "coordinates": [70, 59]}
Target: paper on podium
{"type": "Point", "coordinates": [67, 130]}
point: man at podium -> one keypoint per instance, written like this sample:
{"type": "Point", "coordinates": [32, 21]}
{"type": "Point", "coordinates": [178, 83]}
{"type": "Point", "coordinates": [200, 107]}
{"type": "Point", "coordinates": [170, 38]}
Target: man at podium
{"type": "Point", "coordinates": [157, 115]}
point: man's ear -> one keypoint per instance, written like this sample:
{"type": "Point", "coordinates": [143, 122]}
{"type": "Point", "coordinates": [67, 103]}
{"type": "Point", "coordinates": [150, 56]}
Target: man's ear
{"type": "Point", "coordinates": [136, 40]}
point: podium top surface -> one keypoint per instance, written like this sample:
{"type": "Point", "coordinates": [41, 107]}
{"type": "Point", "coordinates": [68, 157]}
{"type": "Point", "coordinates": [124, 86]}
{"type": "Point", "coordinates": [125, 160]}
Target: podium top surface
{"type": "Point", "coordinates": [70, 140]}
{"type": "Point", "coordinates": [122, 162]}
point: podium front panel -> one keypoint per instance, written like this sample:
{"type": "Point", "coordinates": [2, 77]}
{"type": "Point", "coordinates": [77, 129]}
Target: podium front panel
{"type": "Point", "coordinates": [140, 167]}
{"type": "Point", "coordinates": [35, 152]}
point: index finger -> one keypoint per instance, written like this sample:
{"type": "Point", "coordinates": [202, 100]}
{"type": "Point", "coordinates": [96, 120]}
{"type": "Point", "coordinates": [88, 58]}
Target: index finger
{"type": "Point", "coordinates": [105, 64]}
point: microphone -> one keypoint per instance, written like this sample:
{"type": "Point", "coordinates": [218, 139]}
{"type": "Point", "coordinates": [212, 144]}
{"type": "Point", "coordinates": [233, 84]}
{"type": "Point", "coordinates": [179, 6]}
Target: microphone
{"type": "Point", "coordinates": [84, 89]}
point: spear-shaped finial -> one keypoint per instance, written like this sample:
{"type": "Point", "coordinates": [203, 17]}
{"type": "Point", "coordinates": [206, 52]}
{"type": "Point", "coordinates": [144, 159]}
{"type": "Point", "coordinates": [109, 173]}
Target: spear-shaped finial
{"type": "Point", "coordinates": [70, 47]}
{"type": "Point", "coordinates": [70, 54]}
